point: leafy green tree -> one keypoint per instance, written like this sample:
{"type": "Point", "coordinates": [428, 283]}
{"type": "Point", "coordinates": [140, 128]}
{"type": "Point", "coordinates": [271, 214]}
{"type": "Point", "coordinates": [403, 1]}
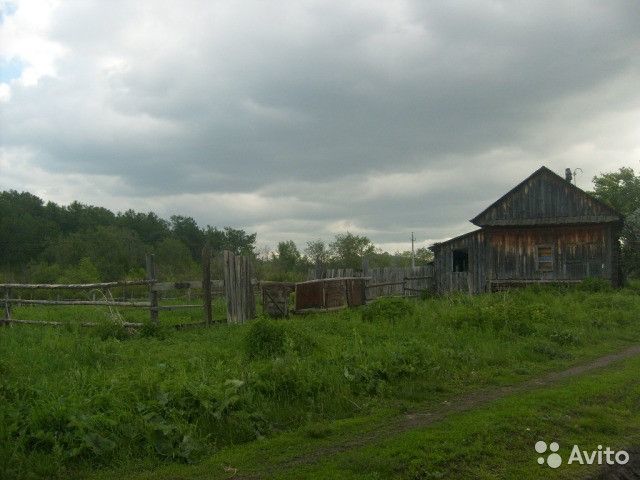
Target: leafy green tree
{"type": "Point", "coordinates": [289, 258]}
{"type": "Point", "coordinates": [24, 229]}
{"type": "Point", "coordinates": [174, 260]}
{"type": "Point", "coordinates": [423, 256]}
{"type": "Point", "coordinates": [236, 240]}
{"type": "Point", "coordinates": [88, 216]}
{"type": "Point", "coordinates": [188, 232]}
{"type": "Point", "coordinates": [347, 250]}
{"type": "Point", "coordinates": [150, 228]}
{"type": "Point", "coordinates": [317, 252]}
{"type": "Point", "coordinates": [619, 189]}
{"type": "Point", "coordinates": [239, 241]}
{"type": "Point", "coordinates": [631, 244]}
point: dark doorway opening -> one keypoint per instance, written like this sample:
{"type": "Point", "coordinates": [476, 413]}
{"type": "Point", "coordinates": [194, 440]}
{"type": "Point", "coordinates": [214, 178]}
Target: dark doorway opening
{"type": "Point", "coordinates": [461, 260]}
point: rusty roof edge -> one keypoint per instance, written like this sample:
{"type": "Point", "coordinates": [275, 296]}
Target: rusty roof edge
{"type": "Point", "coordinates": [543, 169]}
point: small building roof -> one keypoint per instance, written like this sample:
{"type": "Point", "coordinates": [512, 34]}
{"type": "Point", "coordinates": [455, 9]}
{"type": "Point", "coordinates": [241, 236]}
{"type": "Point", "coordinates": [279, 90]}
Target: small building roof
{"type": "Point", "coordinates": [459, 237]}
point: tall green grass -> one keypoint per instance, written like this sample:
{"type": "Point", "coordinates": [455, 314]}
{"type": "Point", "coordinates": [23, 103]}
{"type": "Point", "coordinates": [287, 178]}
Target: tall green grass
{"type": "Point", "coordinates": [73, 400]}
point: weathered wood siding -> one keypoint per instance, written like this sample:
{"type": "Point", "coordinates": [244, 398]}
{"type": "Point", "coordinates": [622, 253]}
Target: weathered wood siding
{"type": "Point", "coordinates": [578, 252]}
{"type": "Point", "coordinates": [474, 280]}
{"type": "Point", "coordinates": [330, 293]}
{"type": "Point", "coordinates": [503, 254]}
{"type": "Point", "coordinates": [543, 199]}
{"type": "Point", "coordinates": [421, 278]}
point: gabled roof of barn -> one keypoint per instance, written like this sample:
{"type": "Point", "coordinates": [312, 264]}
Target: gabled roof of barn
{"type": "Point", "coordinates": [545, 198]}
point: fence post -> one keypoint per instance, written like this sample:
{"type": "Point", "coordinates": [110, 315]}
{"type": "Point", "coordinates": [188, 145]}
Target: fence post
{"type": "Point", "coordinates": [206, 285]}
{"type": "Point", "coordinates": [153, 294]}
{"type": "Point", "coordinates": [7, 306]}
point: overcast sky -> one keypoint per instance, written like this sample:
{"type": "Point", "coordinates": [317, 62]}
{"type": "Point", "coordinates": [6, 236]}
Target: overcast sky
{"type": "Point", "coordinates": [299, 120]}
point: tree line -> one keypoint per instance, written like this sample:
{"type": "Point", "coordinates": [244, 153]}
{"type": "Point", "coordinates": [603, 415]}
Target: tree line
{"type": "Point", "coordinates": [47, 242]}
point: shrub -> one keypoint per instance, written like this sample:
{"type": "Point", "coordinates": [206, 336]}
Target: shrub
{"type": "Point", "coordinates": [389, 309]}
{"type": "Point", "coordinates": [265, 339]}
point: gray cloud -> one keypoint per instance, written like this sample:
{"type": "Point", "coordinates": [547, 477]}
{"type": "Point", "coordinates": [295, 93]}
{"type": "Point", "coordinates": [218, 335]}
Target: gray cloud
{"type": "Point", "coordinates": [306, 118]}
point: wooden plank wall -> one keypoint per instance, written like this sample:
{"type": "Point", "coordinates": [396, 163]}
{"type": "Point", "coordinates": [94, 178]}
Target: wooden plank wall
{"type": "Point", "coordinates": [510, 254]}
{"type": "Point", "coordinates": [330, 294]}
{"type": "Point", "coordinates": [579, 252]}
{"type": "Point", "coordinates": [238, 287]}
{"type": "Point", "coordinates": [472, 281]}
{"type": "Point", "coordinates": [395, 275]}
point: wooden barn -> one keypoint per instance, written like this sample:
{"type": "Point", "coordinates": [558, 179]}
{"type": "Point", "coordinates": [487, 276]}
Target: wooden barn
{"type": "Point", "coordinates": [543, 230]}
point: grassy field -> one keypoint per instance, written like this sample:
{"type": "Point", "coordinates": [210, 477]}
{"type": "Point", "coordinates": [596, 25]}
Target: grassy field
{"type": "Point", "coordinates": [489, 442]}
{"type": "Point", "coordinates": [76, 401]}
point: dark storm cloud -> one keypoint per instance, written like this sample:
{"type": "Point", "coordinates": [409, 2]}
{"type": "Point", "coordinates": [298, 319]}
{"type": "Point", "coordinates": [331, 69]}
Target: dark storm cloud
{"type": "Point", "coordinates": [330, 111]}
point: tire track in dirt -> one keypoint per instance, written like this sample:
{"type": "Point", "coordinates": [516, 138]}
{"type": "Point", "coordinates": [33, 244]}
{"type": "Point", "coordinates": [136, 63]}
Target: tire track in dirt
{"type": "Point", "coordinates": [420, 419]}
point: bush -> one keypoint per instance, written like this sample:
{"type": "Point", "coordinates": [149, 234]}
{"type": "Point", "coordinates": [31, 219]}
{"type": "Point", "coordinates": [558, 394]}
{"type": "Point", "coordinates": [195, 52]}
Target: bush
{"type": "Point", "coordinates": [265, 339]}
{"type": "Point", "coordinates": [389, 309]}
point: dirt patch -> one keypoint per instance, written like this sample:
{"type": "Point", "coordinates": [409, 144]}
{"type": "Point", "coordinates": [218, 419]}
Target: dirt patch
{"type": "Point", "coordinates": [464, 403]}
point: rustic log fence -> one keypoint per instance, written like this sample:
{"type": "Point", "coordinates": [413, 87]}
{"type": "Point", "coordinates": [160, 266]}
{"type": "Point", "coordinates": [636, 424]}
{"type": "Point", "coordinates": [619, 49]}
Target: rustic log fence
{"type": "Point", "coordinates": [153, 303]}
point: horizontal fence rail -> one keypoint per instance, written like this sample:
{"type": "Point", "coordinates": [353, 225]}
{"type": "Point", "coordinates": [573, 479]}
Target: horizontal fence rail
{"type": "Point", "coordinates": [73, 286]}
{"type": "Point", "coordinates": [98, 303]}
{"type": "Point", "coordinates": [152, 305]}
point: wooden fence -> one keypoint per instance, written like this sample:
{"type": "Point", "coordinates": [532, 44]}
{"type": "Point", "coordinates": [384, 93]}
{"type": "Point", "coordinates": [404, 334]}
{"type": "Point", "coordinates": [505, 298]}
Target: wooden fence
{"type": "Point", "coordinates": [151, 282]}
{"type": "Point", "coordinates": [238, 288]}
{"type": "Point", "coordinates": [387, 281]}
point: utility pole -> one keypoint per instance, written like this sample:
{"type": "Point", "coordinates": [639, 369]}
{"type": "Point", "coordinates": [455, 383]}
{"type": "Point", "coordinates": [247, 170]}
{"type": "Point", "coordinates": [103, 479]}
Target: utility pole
{"type": "Point", "coordinates": [413, 253]}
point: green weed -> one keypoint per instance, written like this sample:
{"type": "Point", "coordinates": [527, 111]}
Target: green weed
{"type": "Point", "coordinates": [387, 309]}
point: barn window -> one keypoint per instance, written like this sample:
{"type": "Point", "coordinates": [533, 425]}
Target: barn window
{"type": "Point", "coordinates": [461, 260]}
{"type": "Point", "coordinates": [544, 259]}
